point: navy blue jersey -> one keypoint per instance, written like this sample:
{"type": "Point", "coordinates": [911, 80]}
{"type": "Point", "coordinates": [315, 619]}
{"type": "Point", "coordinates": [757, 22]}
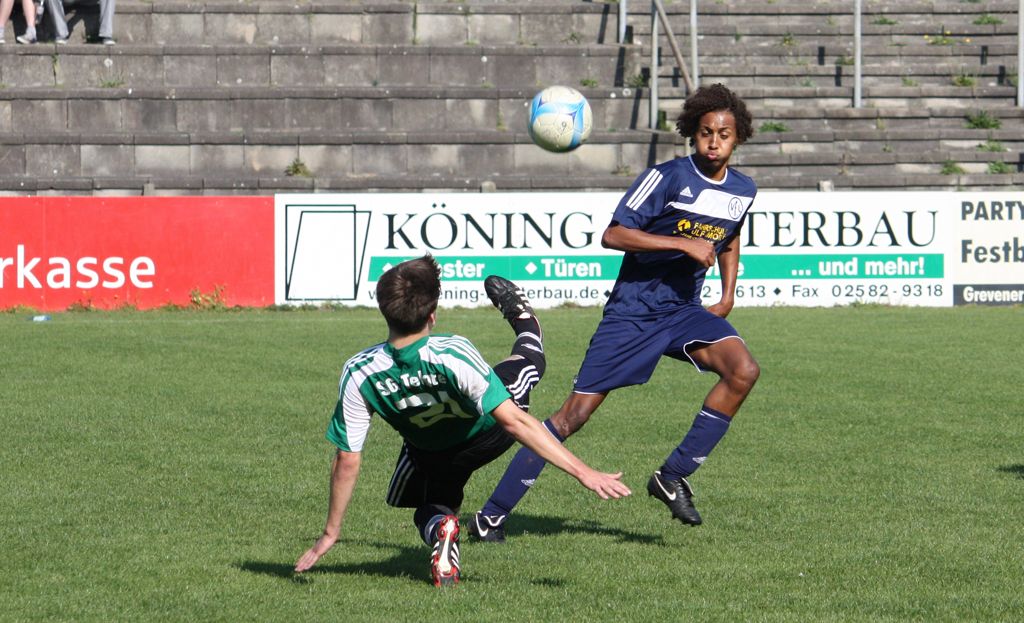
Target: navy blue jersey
{"type": "Point", "coordinates": [675, 199]}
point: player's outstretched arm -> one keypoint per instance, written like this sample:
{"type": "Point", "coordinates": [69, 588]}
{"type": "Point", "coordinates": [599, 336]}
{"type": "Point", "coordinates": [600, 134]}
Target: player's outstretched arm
{"type": "Point", "coordinates": [344, 472]}
{"type": "Point", "coordinates": [532, 434]}
{"type": "Point", "coordinates": [622, 238]}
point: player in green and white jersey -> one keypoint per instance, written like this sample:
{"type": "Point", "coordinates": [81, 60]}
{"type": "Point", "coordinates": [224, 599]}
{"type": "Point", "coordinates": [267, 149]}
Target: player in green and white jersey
{"type": "Point", "coordinates": [455, 412]}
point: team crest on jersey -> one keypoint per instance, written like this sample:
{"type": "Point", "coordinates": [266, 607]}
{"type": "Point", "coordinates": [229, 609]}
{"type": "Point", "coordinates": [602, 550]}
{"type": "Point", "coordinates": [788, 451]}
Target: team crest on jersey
{"type": "Point", "coordinates": [735, 207]}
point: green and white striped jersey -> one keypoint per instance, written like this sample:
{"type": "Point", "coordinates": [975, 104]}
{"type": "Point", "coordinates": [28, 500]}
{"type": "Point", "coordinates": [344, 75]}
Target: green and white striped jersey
{"type": "Point", "coordinates": [437, 393]}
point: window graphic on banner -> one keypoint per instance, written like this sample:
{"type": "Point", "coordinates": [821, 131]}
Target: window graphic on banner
{"type": "Point", "coordinates": [805, 249]}
{"type": "Point", "coordinates": [324, 249]}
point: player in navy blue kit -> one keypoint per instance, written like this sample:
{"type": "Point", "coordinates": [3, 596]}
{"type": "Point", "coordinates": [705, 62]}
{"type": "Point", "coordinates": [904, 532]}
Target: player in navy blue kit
{"type": "Point", "coordinates": [676, 219]}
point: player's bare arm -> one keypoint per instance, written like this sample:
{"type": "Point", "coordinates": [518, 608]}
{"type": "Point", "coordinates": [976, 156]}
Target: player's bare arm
{"type": "Point", "coordinates": [623, 238]}
{"type": "Point", "coordinates": [532, 434]}
{"type": "Point", "coordinates": [728, 266]}
{"type": "Point", "coordinates": [344, 473]}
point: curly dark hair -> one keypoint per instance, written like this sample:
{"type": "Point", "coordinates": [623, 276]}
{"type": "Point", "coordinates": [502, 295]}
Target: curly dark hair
{"type": "Point", "coordinates": [710, 99]}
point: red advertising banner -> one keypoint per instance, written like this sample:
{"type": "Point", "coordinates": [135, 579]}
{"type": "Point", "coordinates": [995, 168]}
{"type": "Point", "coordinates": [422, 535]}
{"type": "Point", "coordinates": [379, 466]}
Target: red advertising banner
{"type": "Point", "coordinates": [109, 252]}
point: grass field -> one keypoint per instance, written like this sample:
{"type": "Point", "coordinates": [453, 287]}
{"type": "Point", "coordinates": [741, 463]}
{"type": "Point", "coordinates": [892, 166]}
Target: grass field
{"type": "Point", "coordinates": [172, 466]}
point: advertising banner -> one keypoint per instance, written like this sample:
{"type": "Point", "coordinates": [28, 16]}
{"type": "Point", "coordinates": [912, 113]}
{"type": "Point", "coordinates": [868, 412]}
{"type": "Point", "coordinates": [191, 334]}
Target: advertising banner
{"type": "Point", "coordinates": [144, 252]}
{"type": "Point", "coordinates": [336, 247]}
{"type": "Point", "coordinates": [825, 249]}
{"type": "Point", "coordinates": [806, 249]}
{"type": "Point", "coordinates": [988, 266]}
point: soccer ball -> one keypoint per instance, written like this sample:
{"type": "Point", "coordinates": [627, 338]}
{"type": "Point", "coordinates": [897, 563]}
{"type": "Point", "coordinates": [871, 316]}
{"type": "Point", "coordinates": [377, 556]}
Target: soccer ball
{"type": "Point", "coordinates": [560, 119]}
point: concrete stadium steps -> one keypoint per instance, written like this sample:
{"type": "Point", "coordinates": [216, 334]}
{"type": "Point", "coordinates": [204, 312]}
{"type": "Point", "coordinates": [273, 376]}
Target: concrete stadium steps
{"type": "Point", "coordinates": [769, 101]}
{"type": "Point", "coordinates": [811, 44]}
{"type": "Point", "coordinates": [327, 109]}
{"type": "Point", "coordinates": [923, 121]}
{"type": "Point", "coordinates": [39, 160]}
{"type": "Point", "coordinates": [830, 18]}
{"type": "Point", "coordinates": [833, 64]}
{"type": "Point", "coordinates": [347, 155]}
{"type": "Point", "coordinates": [226, 97]}
{"type": "Point", "coordinates": [307, 65]}
{"type": "Point", "coordinates": [844, 155]}
{"type": "Point", "coordinates": [393, 22]}
{"type": "Point", "coordinates": [840, 53]}
{"type": "Point", "coordinates": [756, 35]}
{"type": "Point", "coordinates": [948, 72]}
{"type": "Point", "coordinates": [252, 185]}
{"type": "Point", "coordinates": [778, 178]}
{"type": "Point", "coordinates": [773, 179]}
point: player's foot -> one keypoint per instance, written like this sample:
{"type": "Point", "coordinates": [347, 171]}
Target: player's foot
{"type": "Point", "coordinates": [677, 496]}
{"type": "Point", "coordinates": [507, 297]}
{"type": "Point", "coordinates": [444, 561]}
{"type": "Point", "coordinates": [488, 528]}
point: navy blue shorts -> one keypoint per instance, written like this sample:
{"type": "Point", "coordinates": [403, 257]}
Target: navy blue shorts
{"type": "Point", "coordinates": [625, 350]}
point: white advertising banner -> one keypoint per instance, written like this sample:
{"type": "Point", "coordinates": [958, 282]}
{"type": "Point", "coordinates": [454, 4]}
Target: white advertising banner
{"type": "Point", "coordinates": [335, 247]}
{"type": "Point", "coordinates": [825, 249]}
{"type": "Point", "coordinates": [989, 249]}
{"type": "Point", "coordinates": [804, 249]}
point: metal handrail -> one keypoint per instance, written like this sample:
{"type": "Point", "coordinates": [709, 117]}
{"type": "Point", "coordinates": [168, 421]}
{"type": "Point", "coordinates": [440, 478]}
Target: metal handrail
{"type": "Point", "coordinates": [672, 39]}
{"type": "Point", "coordinates": [658, 13]}
{"type": "Point", "coordinates": [857, 80]}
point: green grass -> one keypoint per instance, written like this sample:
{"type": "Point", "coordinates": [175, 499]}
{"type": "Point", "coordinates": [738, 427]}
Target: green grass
{"type": "Point", "coordinates": [773, 126]}
{"type": "Point", "coordinates": [982, 120]}
{"type": "Point", "coordinates": [950, 167]}
{"type": "Point", "coordinates": [171, 466]}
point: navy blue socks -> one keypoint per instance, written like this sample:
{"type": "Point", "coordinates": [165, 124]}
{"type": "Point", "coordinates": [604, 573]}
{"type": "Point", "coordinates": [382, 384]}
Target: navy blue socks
{"type": "Point", "coordinates": [518, 478]}
{"type": "Point", "coordinates": [707, 430]}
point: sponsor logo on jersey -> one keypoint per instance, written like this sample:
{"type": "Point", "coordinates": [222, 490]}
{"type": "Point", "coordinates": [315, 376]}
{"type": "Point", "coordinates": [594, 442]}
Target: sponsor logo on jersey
{"type": "Point", "coordinates": [686, 192]}
{"type": "Point", "coordinates": [735, 208]}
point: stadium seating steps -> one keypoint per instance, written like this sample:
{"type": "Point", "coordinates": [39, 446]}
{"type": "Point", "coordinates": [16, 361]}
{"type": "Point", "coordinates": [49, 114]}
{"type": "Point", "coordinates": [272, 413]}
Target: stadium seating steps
{"type": "Point", "coordinates": [263, 96]}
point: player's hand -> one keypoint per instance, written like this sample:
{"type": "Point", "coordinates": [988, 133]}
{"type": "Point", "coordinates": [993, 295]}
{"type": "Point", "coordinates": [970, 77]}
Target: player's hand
{"type": "Point", "coordinates": [606, 486]}
{"type": "Point", "coordinates": [313, 554]}
{"type": "Point", "coordinates": [700, 250]}
{"type": "Point", "coordinates": [721, 308]}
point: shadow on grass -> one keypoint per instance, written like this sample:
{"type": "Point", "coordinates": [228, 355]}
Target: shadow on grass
{"type": "Point", "coordinates": [1017, 469]}
{"type": "Point", "coordinates": [410, 562]}
{"type": "Point", "coordinates": [520, 524]}
{"type": "Point", "coordinates": [405, 562]}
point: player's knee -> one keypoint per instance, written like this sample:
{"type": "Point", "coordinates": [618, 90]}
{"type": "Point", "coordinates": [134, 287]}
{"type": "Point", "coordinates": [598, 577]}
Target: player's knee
{"type": "Point", "coordinates": [744, 375]}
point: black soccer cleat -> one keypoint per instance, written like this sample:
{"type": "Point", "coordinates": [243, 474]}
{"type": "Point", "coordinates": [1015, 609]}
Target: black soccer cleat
{"type": "Point", "coordinates": [444, 559]}
{"type": "Point", "coordinates": [677, 496]}
{"type": "Point", "coordinates": [488, 528]}
{"type": "Point", "coordinates": [507, 297]}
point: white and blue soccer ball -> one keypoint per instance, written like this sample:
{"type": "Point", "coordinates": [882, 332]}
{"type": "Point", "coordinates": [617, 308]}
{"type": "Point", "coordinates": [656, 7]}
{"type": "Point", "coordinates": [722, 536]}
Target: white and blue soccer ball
{"type": "Point", "coordinates": [560, 119]}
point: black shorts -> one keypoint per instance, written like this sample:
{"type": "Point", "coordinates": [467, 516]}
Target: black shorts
{"type": "Point", "coordinates": [440, 477]}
